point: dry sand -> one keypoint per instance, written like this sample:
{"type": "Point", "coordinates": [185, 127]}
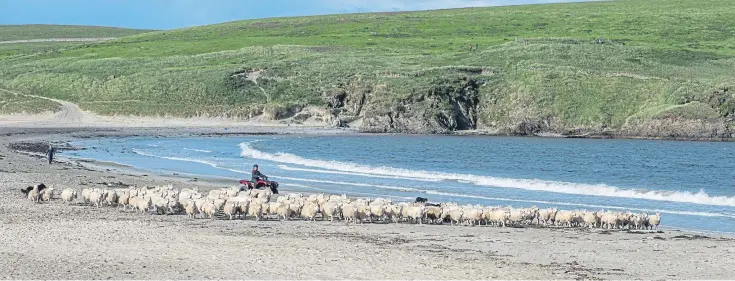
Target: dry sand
{"type": "Point", "coordinates": [58, 241]}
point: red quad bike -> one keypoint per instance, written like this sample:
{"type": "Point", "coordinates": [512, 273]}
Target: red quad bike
{"type": "Point", "coordinates": [260, 185]}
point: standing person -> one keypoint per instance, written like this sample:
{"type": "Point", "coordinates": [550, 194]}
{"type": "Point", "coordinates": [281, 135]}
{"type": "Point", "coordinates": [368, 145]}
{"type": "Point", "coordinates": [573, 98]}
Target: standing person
{"type": "Point", "coordinates": [50, 153]}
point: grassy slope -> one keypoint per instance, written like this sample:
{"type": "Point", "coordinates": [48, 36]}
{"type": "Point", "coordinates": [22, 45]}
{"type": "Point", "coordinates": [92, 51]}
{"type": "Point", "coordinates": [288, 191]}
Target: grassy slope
{"type": "Point", "coordinates": [10, 103]}
{"type": "Point", "coordinates": [661, 59]}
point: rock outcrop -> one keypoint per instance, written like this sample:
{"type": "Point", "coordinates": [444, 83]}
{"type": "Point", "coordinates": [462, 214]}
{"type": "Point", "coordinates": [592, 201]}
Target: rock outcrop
{"type": "Point", "coordinates": [440, 109]}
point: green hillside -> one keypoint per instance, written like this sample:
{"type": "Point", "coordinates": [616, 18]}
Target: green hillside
{"type": "Point", "coordinates": [651, 68]}
{"type": "Point", "coordinates": [11, 48]}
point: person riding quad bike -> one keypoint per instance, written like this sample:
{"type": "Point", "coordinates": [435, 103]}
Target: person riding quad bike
{"type": "Point", "coordinates": [259, 180]}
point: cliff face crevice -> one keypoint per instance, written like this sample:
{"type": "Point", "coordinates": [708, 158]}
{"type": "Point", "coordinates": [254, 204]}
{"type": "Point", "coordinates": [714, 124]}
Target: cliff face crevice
{"type": "Point", "coordinates": [346, 102]}
{"type": "Point", "coordinates": [441, 108]}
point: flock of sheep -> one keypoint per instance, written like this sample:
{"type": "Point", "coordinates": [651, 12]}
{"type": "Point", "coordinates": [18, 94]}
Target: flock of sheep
{"type": "Point", "coordinates": [234, 203]}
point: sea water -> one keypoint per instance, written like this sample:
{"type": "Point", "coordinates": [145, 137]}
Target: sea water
{"type": "Point", "coordinates": [692, 184]}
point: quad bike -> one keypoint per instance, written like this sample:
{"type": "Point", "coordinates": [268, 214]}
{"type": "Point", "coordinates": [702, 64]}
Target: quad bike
{"type": "Point", "coordinates": [260, 185]}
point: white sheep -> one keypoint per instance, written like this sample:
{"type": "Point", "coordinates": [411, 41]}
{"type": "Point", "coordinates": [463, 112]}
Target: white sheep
{"type": "Point", "coordinates": [262, 194]}
{"type": "Point", "coordinates": [636, 222]}
{"type": "Point", "coordinates": [111, 197]}
{"type": "Point", "coordinates": [255, 209]}
{"type": "Point", "coordinates": [47, 194]}
{"type": "Point", "coordinates": [35, 194]}
{"type": "Point", "coordinates": [363, 212]}
{"type": "Point", "coordinates": [455, 216]}
{"type": "Point", "coordinates": [284, 212]}
{"type": "Point", "coordinates": [241, 205]}
{"type": "Point", "coordinates": [472, 215]}
{"type": "Point", "coordinates": [434, 214]}
{"type": "Point", "coordinates": [185, 193]}
{"type": "Point", "coordinates": [349, 212]}
{"type": "Point", "coordinates": [217, 193]}
{"type": "Point", "coordinates": [218, 204]}
{"type": "Point", "coordinates": [624, 219]}
{"type": "Point", "coordinates": [416, 213]}
{"type": "Point", "coordinates": [123, 199]}
{"type": "Point", "coordinates": [191, 209]}
{"type": "Point", "coordinates": [173, 203]}
{"type": "Point", "coordinates": [654, 221]}
{"type": "Point", "coordinates": [377, 211]}
{"type": "Point", "coordinates": [230, 209]}
{"type": "Point", "coordinates": [295, 207]}
{"type": "Point", "coordinates": [256, 203]}
{"type": "Point", "coordinates": [609, 220]}
{"type": "Point", "coordinates": [160, 204]}
{"type": "Point", "coordinates": [564, 218]}
{"type": "Point", "coordinates": [320, 200]}
{"type": "Point", "coordinates": [208, 209]}
{"type": "Point", "coordinates": [96, 197]}
{"type": "Point", "coordinates": [589, 219]}
{"type": "Point", "coordinates": [68, 195]}
{"type": "Point", "coordinates": [232, 191]}
{"type": "Point", "coordinates": [272, 208]}
{"type": "Point", "coordinates": [85, 195]}
{"type": "Point", "coordinates": [144, 204]}
{"type": "Point", "coordinates": [295, 196]}
{"type": "Point", "coordinates": [337, 198]}
{"type": "Point", "coordinates": [309, 211]}
{"type": "Point", "coordinates": [546, 216]}
{"type": "Point", "coordinates": [133, 202]}
{"type": "Point", "coordinates": [519, 216]}
{"type": "Point", "coordinates": [330, 210]}
{"type": "Point", "coordinates": [200, 204]}
{"type": "Point", "coordinates": [499, 217]}
{"type": "Point", "coordinates": [393, 212]}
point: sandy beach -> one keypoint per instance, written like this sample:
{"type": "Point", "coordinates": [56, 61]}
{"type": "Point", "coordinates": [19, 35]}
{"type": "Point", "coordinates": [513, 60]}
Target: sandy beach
{"type": "Point", "coordinates": [54, 240]}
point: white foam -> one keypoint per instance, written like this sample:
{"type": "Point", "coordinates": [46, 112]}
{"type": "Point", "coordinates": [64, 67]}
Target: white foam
{"type": "Point", "coordinates": [198, 150]}
{"type": "Point", "coordinates": [214, 165]}
{"type": "Point", "coordinates": [526, 184]}
{"type": "Point", "coordinates": [285, 167]}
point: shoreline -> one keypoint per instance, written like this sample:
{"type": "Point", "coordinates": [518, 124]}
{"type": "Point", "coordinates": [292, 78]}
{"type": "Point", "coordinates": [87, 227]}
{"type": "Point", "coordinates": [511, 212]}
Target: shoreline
{"type": "Point", "coordinates": [81, 242]}
{"type": "Point", "coordinates": [211, 180]}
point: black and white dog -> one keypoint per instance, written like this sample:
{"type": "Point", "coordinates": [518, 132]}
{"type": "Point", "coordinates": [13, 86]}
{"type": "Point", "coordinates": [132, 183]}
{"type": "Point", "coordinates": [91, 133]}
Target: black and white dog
{"type": "Point", "coordinates": [25, 191]}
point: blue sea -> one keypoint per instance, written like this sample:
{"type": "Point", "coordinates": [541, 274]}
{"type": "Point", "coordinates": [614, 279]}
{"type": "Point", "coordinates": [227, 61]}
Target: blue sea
{"type": "Point", "coordinates": [692, 184]}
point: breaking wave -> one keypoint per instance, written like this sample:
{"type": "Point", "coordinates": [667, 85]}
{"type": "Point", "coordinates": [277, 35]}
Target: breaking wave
{"type": "Point", "coordinates": [284, 167]}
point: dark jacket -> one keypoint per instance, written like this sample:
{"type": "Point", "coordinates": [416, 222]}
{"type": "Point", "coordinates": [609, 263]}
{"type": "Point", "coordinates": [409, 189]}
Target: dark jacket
{"type": "Point", "coordinates": [257, 175]}
{"type": "Point", "coordinates": [50, 154]}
